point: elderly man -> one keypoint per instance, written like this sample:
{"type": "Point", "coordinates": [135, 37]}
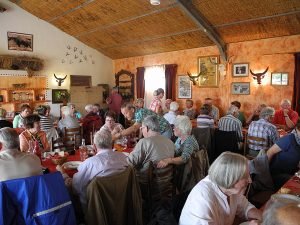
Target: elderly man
{"type": "Point", "coordinates": [230, 122]}
{"type": "Point", "coordinates": [3, 121]}
{"type": "Point", "coordinates": [153, 148]}
{"type": "Point", "coordinates": [67, 120]}
{"type": "Point", "coordinates": [130, 113]}
{"type": "Point", "coordinates": [90, 123]}
{"type": "Point", "coordinates": [263, 129]}
{"type": "Point", "coordinates": [214, 109]}
{"type": "Point", "coordinates": [285, 117]}
{"type": "Point", "coordinates": [106, 162]}
{"type": "Point", "coordinates": [13, 163]}
{"type": "Point", "coordinates": [171, 115]}
{"type": "Point", "coordinates": [167, 105]}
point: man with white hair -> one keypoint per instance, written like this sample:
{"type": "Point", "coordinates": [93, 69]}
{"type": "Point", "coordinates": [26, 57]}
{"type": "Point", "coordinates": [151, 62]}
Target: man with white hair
{"type": "Point", "coordinates": [90, 123]}
{"type": "Point", "coordinates": [105, 163]}
{"type": "Point", "coordinates": [67, 120]}
{"type": "Point", "coordinates": [285, 117]}
{"type": "Point", "coordinates": [263, 129]}
{"type": "Point", "coordinates": [13, 163]}
{"type": "Point", "coordinates": [171, 115]}
{"type": "Point", "coordinates": [230, 122]}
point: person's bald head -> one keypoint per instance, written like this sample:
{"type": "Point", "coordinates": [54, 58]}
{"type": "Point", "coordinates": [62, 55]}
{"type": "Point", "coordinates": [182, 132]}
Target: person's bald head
{"type": "Point", "coordinates": [282, 214]}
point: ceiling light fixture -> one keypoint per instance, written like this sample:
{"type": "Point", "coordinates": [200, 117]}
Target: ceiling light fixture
{"type": "Point", "coordinates": [155, 2]}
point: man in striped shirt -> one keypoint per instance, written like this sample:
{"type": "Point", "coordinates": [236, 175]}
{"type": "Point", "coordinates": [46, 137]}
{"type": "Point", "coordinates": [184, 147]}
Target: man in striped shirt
{"type": "Point", "coordinates": [263, 129]}
{"type": "Point", "coordinates": [230, 122]}
{"type": "Point", "coordinates": [204, 119]}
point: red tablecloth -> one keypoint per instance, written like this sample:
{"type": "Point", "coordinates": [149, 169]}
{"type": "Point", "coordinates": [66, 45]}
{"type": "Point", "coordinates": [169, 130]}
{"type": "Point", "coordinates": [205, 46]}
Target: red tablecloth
{"type": "Point", "coordinates": [293, 184]}
{"type": "Point", "coordinates": [52, 167]}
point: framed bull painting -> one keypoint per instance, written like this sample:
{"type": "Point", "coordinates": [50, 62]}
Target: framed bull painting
{"type": "Point", "coordinates": [20, 41]}
{"type": "Point", "coordinates": [240, 88]}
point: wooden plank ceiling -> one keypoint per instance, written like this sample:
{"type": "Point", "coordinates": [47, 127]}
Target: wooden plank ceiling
{"type": "Point", "coordinates": [126, 28]}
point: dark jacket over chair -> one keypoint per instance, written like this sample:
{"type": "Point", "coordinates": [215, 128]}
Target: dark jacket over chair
{"type": "Point", "coordinates": [205, 139]}
{"type": "Point", "coordinates": [226, 141]}
{"type": "Point", "coordinates": [114, 200]}
{"type": "Point", "coordinates": [42, 200]}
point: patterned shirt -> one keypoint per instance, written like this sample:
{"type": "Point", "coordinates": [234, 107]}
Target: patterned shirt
{"type": "Point", "coordinates": [263, 129]}
{"type": "Point", "coordinates": [142, 113]}
{"type": "Point", "coordinates": [156, 103]}
{"type": "Point", "coordinates": [204, 121]}
{"type": "Point", "coordinates": [186, 148]}
{"type": "Point", "coordinates": [231, 123]}
{"type": "Point", "coordinates": [215, 112]}
{"type": "Point", "coordinates": [46, 123]}
{"type": "Point", "coordinates": [191, 113]}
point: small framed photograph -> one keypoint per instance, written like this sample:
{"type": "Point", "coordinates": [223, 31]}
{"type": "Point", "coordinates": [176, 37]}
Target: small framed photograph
{"type": "Point", "coordinates": [280, 79]}
{"type": "Point", "coordinates": [240, 88]}
{"type": "Point", "coordinates": [240, 70]}
{"type": "Point", "coordinates": [20, 41]}
{"type": "Point", "coordinates": [184, 87]}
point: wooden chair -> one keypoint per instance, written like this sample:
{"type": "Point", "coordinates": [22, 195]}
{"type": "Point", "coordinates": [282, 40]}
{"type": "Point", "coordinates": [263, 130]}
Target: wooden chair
{"type": "Point", "coordinates": [72, 138]}
{"type": "Point", "coordinates": [57, 144]}
{"type": "Point", "coordinates": [260, 143]}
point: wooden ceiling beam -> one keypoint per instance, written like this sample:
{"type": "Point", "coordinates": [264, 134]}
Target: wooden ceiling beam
{"type": "Point", "coordinates": [257, 19]}
{"type": "Point", "coordinates": [188, 7]}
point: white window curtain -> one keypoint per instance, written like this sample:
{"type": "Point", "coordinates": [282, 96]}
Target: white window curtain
{"type": "Point", "coordinates": [154, 78]}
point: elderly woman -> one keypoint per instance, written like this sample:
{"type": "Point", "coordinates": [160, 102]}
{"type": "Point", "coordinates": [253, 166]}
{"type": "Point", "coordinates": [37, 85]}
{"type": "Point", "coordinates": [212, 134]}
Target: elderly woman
{"type": "Point", "coordinates": [156, 104]}
{"type": "Point", "coordinates": [284, 156]}
{"type": "Point", "coordinates": [76, 114]}
{"type": "Point", "coordinates": [139, 103]}
{"type": "Point", "coordinates": [110, 123]}
{"type": "Point", "coordinates": [218, 198]}
{"type": "Point", "coordinates": [185, 144]}
{"type": "Point", "coordinates": [19, 119]}
{"type": "Point", "coordinates": [33, 133]}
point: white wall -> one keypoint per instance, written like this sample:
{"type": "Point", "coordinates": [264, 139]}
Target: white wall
{"type": "Point", "coordinates": [50, 44]}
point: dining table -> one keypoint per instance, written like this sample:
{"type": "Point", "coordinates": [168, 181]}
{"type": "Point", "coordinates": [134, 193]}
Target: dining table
{"type": "Point", "coordinates": [51, 166]}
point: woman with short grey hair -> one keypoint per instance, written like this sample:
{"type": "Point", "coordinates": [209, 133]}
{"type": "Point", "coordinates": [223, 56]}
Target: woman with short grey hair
{"type": "Point", "coordinates": [185, 144]}
{"type": "Point", "coordinates": [218, 198]}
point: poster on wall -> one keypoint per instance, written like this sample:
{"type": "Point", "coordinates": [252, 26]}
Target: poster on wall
{"type": "Point", "coordinates": [20, 41]}
{"type": "Point", "coordinates": [184, 87]}
{"type": "Point", "coordinates": [208, 67]}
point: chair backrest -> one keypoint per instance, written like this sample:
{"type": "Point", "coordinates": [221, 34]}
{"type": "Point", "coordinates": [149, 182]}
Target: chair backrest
{"type": "Point", "coordinates": [58, 144]}
{"type": "Point", "coordinates": [259, 142]}
{"type": "Point", "coordinates": [226, 141]}
{"type": "Point", "coordinates": [72, 138]}
{"type": "Point", "coordinates": [41, 199]}
{"type": "Point", "coordinates": [118, 194]}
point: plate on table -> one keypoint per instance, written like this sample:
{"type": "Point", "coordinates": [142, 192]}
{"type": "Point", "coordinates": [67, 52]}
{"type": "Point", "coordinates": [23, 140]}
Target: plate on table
{"type": "Point", "coordinates": [72, 165]}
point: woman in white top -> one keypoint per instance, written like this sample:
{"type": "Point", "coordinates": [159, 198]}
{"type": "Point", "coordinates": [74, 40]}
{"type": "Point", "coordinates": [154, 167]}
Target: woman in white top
{"type": "Point", "coordinates": [218, 198]}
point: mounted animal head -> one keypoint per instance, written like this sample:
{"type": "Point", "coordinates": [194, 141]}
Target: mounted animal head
{"type": "Point", "coordinates": [60, 80]}
{"type": "Point", "coordinates": [259, 76]}
{"type": "Point", "coordinates": [194, 79]}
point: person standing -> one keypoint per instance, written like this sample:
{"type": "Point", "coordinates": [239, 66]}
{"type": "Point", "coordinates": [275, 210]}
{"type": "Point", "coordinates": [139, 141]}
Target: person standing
{"type": "Point", "coordinates": [156, 104]}
{"type": "Point", "coordinates": [114, 102]}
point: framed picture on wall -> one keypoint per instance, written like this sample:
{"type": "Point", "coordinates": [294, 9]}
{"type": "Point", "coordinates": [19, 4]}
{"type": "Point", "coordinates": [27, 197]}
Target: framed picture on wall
{"type": "Point", "coordinates": [208, 67]}
{"type": "Point", "coordinates": [280, 79]}
{"type": "Point", "coordinates": [20, 41]}
{"type": "Point", "coordinates": [60, 95]}
{"type": "Point", "coordinates": [184, 87]}
{"type": "Point", "coordinates": [240, 70]}
{"type": "Point", "coordinates": [240, 88]}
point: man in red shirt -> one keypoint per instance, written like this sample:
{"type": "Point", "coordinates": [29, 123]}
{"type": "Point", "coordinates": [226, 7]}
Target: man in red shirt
{"type": "Point", "coordinates": [114, 102]}
{"type": "Point", "coordinates": [285, 117]}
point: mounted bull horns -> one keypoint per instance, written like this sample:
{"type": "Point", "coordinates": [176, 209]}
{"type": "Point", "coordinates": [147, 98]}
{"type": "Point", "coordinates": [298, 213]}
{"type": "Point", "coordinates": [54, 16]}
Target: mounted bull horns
{"type": "Point", "coordinates": [60, 80]}
{"type": "Point", "coordinates": [259, 76]}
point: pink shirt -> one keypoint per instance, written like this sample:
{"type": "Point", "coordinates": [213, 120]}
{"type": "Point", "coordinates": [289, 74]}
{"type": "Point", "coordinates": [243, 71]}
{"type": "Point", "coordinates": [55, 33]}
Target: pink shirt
{"type": "Point", "coordinates": [115, 103]}
{"type": "Point", "coordinates": [155, 104]}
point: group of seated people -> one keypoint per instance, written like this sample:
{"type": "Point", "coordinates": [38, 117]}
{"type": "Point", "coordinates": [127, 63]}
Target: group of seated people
{"type": "Point", "coordinates": [216, 199]}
